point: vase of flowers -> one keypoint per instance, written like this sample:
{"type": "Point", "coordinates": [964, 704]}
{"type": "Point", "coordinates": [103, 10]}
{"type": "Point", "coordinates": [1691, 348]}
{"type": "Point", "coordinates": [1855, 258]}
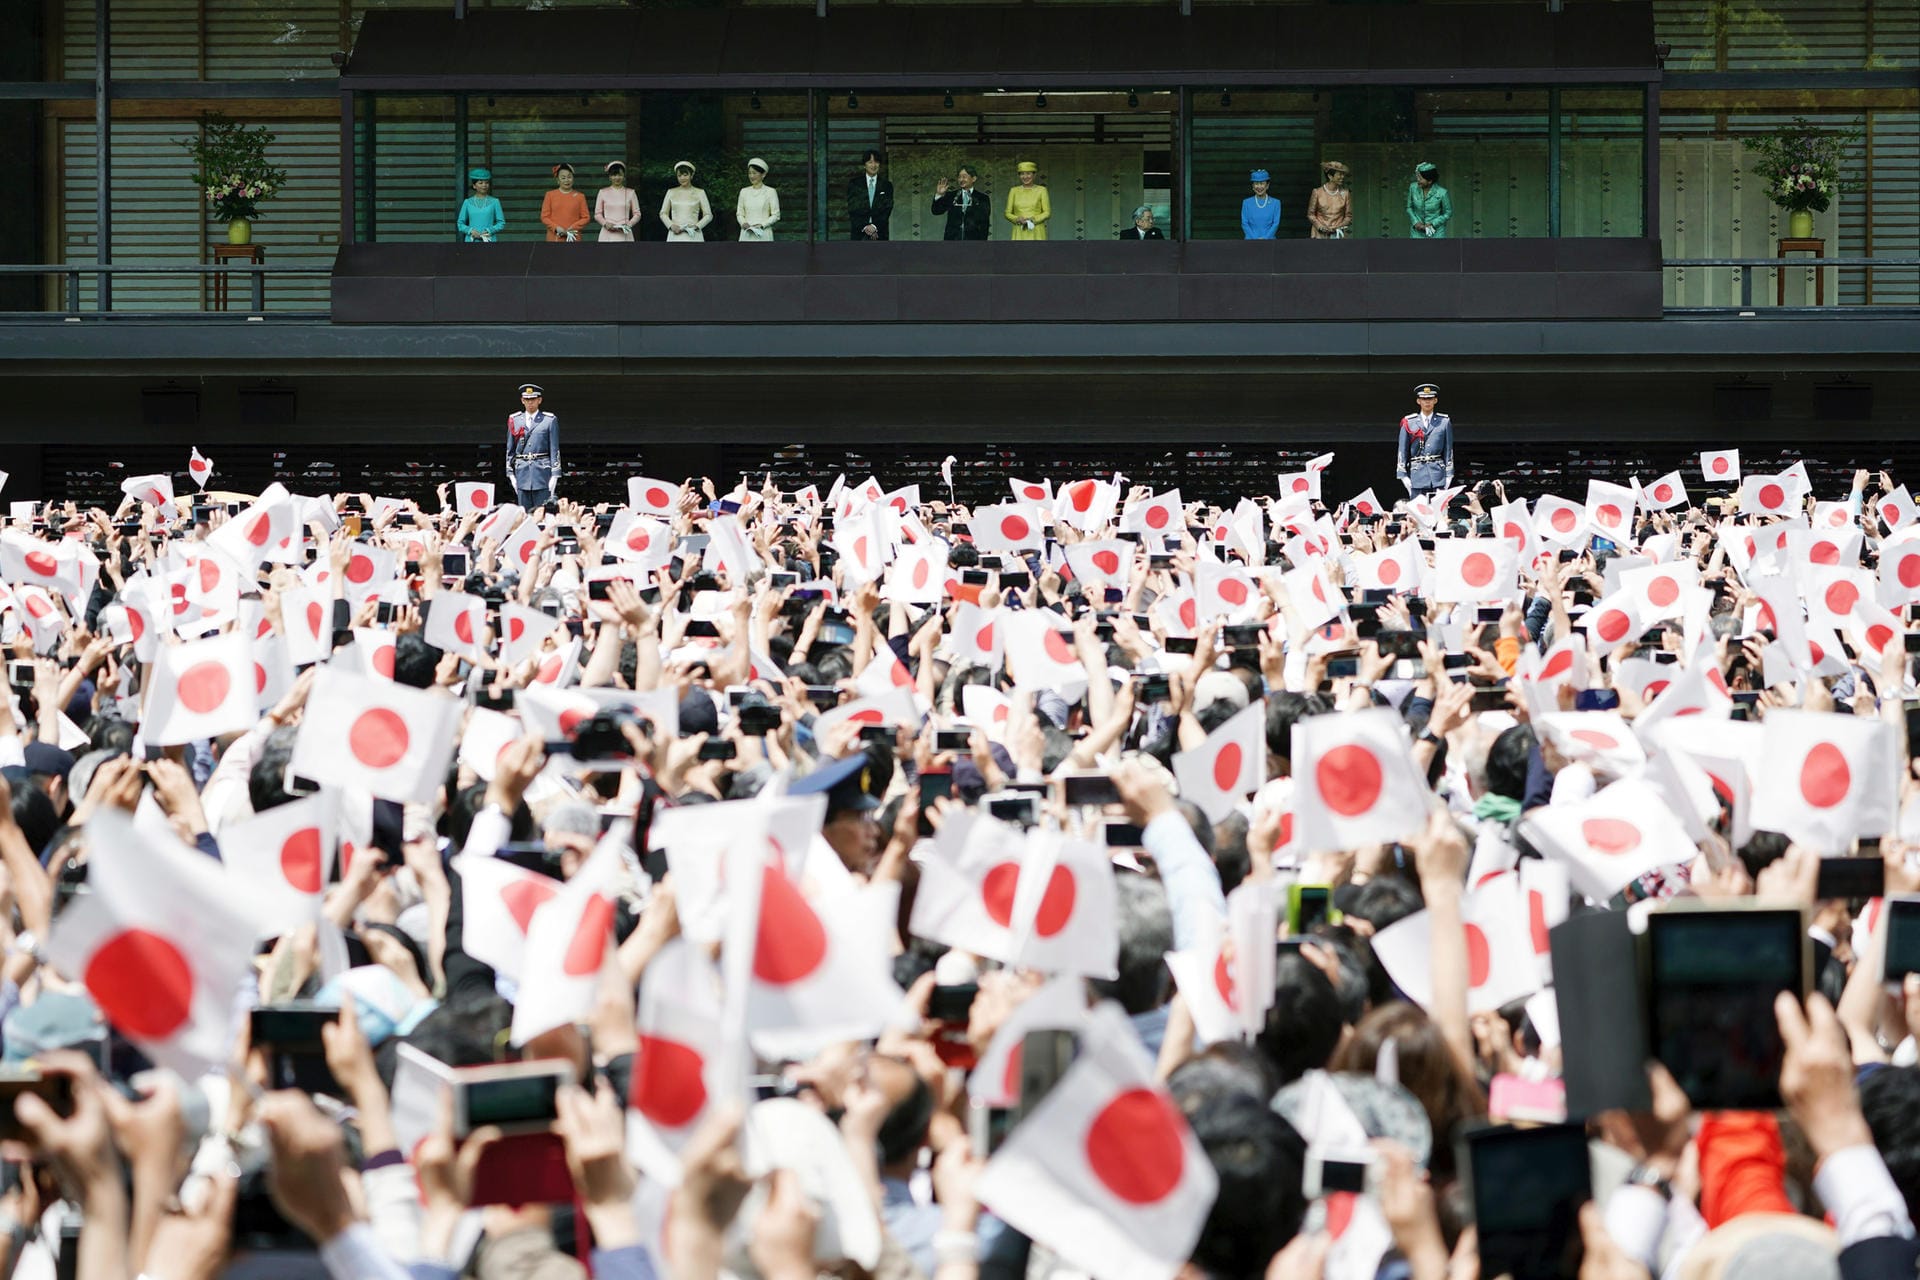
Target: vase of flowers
{"type": "Point", "coordinates": [1803, 169]}
{"type": "Point", "coordinates": [233, 173]}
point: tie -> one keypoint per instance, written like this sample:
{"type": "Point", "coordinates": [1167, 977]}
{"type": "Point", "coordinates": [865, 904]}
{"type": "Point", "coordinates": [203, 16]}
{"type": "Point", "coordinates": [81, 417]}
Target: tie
{"type": "Point", "coordinates": [965, 198]}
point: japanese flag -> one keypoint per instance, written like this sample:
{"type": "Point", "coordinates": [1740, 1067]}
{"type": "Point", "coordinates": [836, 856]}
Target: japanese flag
{"type": "Point", "coordinates": [1008, 526]}
{"type": "Point", "coordinates": [1100, 564]}
{"type": "Point", "coordinates": [1229, 766]}
{"type": "Point", "coordinates": [1610, 510]}
{"type": "Point", "coordinates": [1872, 629]}
{"type": "Point", "coordinates": [264, 530]}
{"type": "Point", "coordinates": [1665, 493]}
{"type": "Point", "coordinates": [1613, 621]}
{"type": "Point", "coordinates": [1824, 546]}
{"type": "Point", "coordinates": [29, 561]}
{"type": "Point", "coordinates": [1355, 781]}
{"type": "Point", "coordinates": [1311, 594]}
{"type": "Point", "coordinates": [568, 939]}
{"type": "Point", "coordinates": [919, 574]}
{"type": "Point", "coordinates": [1031, 490]}
{"type": "Point", "coordinates": [1833, 594]}
{"type": "Point", "coordinates": [896, 708]}
{"type": "Point", "coordinates": [1767, 496]}
{"type": "Point", "coordinates": [277, 862]}
{"type": "Point", "coordinates": [1720, 466]}
{"type": "Point", "coordinates": [1597, 738]}
{"type": "Point", "coordinates": [162, 943]}
{"type": "Point", "coordinates": [969, 884]}
{"type": "Point", "coordinates": [644, 543]}
{"type": "Point", "coordinates": [1225, 590]}
{"type": "Point", "coordinates": [1161, 514]}
{"type": "Point", "coordinates": [131, 622]}
{"type": "Point", "coordinates": [369, 570]}
{"type": "Point", "coordinates": [201, 689]}
{"type": "Point", "coordinates": [45, 623]}
{"type": "Point", "coordinates": [1659, 591]}
{"type": "Point", "coordinates": [861, 543]}
{"type": "Point", "coordinates": [1513, 525]}
{"type": "Point", "coordinates": [1065, 909]}
{"type": "Point", "coordinates": [557, 670]}
{"type": "Point", "coordinates": [472, 497]}
{"type": "Point", "coordinates": [1306, 483]}
{"type": "Point", "coordinates": [1557, 522]}
{"type": "Point", "coordinates": [1366, 504]}
{"type": "Point", "coordinates": [988, 708]}
{"type": "Point", "coordinates": [1039, 654]}
{"type": "Point", "coordinates": [1501, 966]}
{"type": "Point", "coordinates": [373, 651]}
{"type": "Point", "coordinates": [679, 1036]}
{"type": "Point", "coordinates": [1612, 838]}
{"type": "Point", "coordinates": [1228, 983]}
{"type": "Point", "coordinates": [457, 622]}
{"type": "Point", "coordinates": [523, 631]}
{"type": "Point", "coordinates": [1104, 1171]}
{"type": "Point", "coordinates": [884, 673]}
{"type": "Point", "coordinates": [730, 550]}
{"type": "Point", "coordinates": [520, 551]}
{"type": "Point", "coordinates": [1058, 1005]}
{"type": "Point", "coordinates": [154, 490]}
{"type": "Point", "coordinates": [1397, 568]}
{"type": "Point", "coordinates": [977, 636]}
{"type": "Point", "coordinates": [1086, 504]}
{"type": "Point", "coordinates": [653, 497]}
{"type": "Point", "coordinates": [199, 469]}
{"type": "Point", "coordinates": [499, 900]}
{"type": "Point", "coordinates": [1565, 662]}
{"type": "Point", "coordinates": [1825, 778]}
{"type": "Point", "coordinates": [384, 738]}
{"type": "Point", "coordinates": [1472, 569]}
{"type": "Point", "coordinates": [1896, 510]}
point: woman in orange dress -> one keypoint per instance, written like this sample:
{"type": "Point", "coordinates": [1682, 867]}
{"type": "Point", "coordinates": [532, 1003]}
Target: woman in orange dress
{"type": "Point", "coordinates": [564, 212]}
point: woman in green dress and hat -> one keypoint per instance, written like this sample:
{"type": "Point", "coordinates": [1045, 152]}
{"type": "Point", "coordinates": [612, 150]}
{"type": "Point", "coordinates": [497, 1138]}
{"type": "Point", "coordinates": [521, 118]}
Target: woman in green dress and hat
{"type": "Point", "coordinates": [481, 218]}
{"type": "Point", "coordinates": [1429, 207]}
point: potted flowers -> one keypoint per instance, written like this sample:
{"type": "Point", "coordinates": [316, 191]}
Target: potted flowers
{"type": "Point", "coordinates": [233, 172]}
{"type": "Point", "coordinates": [1802, 169]}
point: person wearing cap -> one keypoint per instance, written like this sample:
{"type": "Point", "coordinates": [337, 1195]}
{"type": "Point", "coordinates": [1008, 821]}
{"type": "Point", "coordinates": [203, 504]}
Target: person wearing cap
{"type": "Point", "coordinates": [869, 200]}
{"type": "Point", "coordinates": [1426, 444]}
{"type": "Point", "coordinates": [533, 449]}
{"type": "Point", "coordinates": [1330, 207]}
{"type": "Point", "coordinates": [1142, 228]}
{"type": "Point", "coordinates": [1027, 206]}
{"type": "Point", "coordinates": [1260, 212]}
{"type": "Point", "coordinates": [966, 210]}
{"type": "Point", "coordinates": [616, 208]}
{"type": "Point", "coordinates": [1429, 207]}
{"type": "Point", "coordinates": [685, 209]}
{"type": "Point", "coordinates": [481, 217]}
{"type": "Point", "coordinates": [758, 207]}
{"type": "Point", "coordinates": [848, 827]}
{"type": "Point", "coordinates": [564, 212]}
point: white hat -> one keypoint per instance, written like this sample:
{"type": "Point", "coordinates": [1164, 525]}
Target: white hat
{"type": "Point", "coordinates": [757, 163]}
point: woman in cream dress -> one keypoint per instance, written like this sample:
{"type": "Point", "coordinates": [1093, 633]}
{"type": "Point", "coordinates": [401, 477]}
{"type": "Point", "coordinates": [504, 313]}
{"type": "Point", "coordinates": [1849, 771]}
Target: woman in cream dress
{"type": "Point", "coordinates": [759, 205]}
{"type": "Point", "coordinates": [616, 208]}
{"type": "Point", "coordinates": [685, 209]}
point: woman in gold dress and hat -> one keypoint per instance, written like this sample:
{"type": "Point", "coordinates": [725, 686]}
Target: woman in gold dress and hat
{"type": "Point", "coordinates": [1027, 206]}
{"type": "Point", "coordinates": [1330, 207]}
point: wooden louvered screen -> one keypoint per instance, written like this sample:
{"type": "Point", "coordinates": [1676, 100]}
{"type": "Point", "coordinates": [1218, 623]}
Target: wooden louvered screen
{"type": "Point", "coordinates": [1226, 148]}
{"type": "Point", "coordinates": [408, 184]}
{"type": "Point", "coordinates": [1788, 35]}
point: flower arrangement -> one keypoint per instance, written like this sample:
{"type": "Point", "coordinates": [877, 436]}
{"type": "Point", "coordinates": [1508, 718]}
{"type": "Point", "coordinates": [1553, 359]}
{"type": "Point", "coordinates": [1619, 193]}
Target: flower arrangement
{"type": "Point", "coordinates": [1802, 166]}
{"type": "Point", "coordinates": [232, 169]}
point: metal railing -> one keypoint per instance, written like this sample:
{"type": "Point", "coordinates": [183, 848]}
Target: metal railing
{"type": "Point", "coordinates": [217, 276]}
{"type": "Point", "coordinates": [1747, 268]}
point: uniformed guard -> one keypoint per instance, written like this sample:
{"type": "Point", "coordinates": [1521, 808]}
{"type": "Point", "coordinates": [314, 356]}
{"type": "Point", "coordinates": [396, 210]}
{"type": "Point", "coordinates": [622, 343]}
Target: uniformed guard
{"type": "Point", "coordinates": [848, 827]}
{"type": "Point", "coordinates": [1426, 444]}
{"type": "Point", "coordinates": [533, 450]}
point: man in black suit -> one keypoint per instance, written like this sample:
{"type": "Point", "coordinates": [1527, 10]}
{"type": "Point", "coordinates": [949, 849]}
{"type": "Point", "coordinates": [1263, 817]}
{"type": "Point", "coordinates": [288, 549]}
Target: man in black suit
{"type": "Point", "coordinates": [869, 200]}
{"type": "Point", "coordinates": [968, 214]}
{"type": "Point", "coordinates": [1142, 228]}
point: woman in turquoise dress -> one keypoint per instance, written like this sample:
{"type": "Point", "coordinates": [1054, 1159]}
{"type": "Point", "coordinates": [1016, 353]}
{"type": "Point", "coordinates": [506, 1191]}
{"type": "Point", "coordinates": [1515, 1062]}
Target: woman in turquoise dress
{"type": "Point", "coordinates": [1429, 208]}
{"type": "Point", "coordinates": [481, 218]}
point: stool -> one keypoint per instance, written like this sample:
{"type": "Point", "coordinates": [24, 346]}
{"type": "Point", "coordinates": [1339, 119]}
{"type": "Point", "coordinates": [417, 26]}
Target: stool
{"type": "Point", "coordinates": [1818, 248]}
{"type": "Point", "coordinates": [251, 253]}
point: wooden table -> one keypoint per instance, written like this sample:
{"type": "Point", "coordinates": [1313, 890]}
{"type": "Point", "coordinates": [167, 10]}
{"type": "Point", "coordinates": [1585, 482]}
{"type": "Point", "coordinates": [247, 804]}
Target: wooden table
{"type": "Point", "coordinates": [1816, 247]}
{"type": "Point", "coordinates": [251, 253]}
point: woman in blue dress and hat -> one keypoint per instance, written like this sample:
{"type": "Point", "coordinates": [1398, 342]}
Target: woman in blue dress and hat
{"type": "Point", "coordinates": [1260, 212]}
{"type": "Point", "coordinates": [1429, 207]}
{"type": "Point", "coordinates": [481, 218]}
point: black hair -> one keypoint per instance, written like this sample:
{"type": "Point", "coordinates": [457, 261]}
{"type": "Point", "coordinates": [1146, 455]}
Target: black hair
{"type": "Point", "coordinates": [905, 1128]}
{"type": "Point", "coordinates": [1303, 1026]}
{"type": "Point", "coordinates": [1385, 899]}
{"type": "Point", "coordinates": [466, 804]}
{"type": "Point", "coordinates": [1216, 713]}
{"type": "Point", "coordinates": [1284, 710]}
{"type": "Point", "coordinates": [1507, 762]}
{"type": "Point", "coordinates": [415, 661]}
{"type": "Point", "coordinates": [871, 154]}
{"type": "Point", "coordinates": [1258, 1159]}
{"type": "Point", "coordinates": [968, 169]}
{"type": "Point", "coordinates": [1890, 1101]}
{"type": "Point", "coordinates": [267, 780]}
{"type": "Point", "coordinates": [1145, 922]}
{"type": "Point", "coordinates": [34, 814]}
{"type": "Point", "coordinates": [1230, 856]}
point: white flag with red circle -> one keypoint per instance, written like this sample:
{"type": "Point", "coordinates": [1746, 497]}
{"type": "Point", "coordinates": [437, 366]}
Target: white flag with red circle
{"type": "Point", "coordinates": [1365, 503]}
{"type": "Point", "coordinates": [1601, 739]}
{"type": "Point", "coordinates": [154, 490]}
{"type": "Point", "coordinates": [679, 1025]}
{"type": "Point", "coordinates": [1666, 493]}
{"type": "Point", "coordinates": [1895, 509]}
{"type": "Point", "coordinates": [523, 631]}
{"type": "Point", "coordinates": [1007, 527]}
{"type": "Point", "coordinates": [1564, 662]}
{"type": "Point", "coordinates": [568, 939]}
{"type": "Point", "coordinates": [1474, 569]}
{"type": "Point", "coordinates": [1720, 466]}
{"type": "Point", "coordinates": [161, 942]}
{"type": "Point", "coordinates": [1696, 689]}
{"type": "Point", "coordinates": [1765, 495]}
{"type": "Point", "coordinates": [498, 900]}
{"type": "Point", "coordinates": [1833, 594]}
{"type": "Point", "coordinates": [896, 708]}
{"type": "Point", "coordinates": [1060, 1004]}
{"type": "Point", "coordinates": [1086, 504]}
{"type": "Point", "coordinates": [1031, 490]}
{"type": "Point", "coordinates": [277, 861]}
{"type": "Point", "coordinates": [1872, 629]}
{"type": "Point", "coordinates": [266, 529]}
{"type": "Point", "coordinates": [1826, 778]}
{"type": "Point", "coordinates": [1065, 909]}
{"type": "Point", "coordinates": [472, 497]}
{"type": "Point", "coordinates": [643, 542]}
{"type": "Point", "coordinates": [1501, 966]}
{"type": "Point", "coordinates": [1224, 590]}
{"type": "Point", "coordinates": [919, 574]}
{"type": "Point", "coordinates": [1311, 594]}
{"type": "Point", "coordinates": [1557, 522]}
{"type": "Point", "coordinates": [1613, 621]}
{"type": "Point", "coordinates": [28, 561]}
{"type": "Point", "coordinates": [1513, 524]}
{"type": "Point", "coordinates": [520, 550]}
{"type": "Point", "coordinates": [1040, 655]}
{"type": "Point", "coordinates": [653, 497]}
{"type": "Point", "coordinates": [129, 622]}
{"type": "Point", "coordinates": [884, 672]}
{"type": "Point", "coordinates": [487, 735]}
{"type": "Point", "coordinates": [199, 468]}
{"type": "Point", "coordinates": [457, 623]}
{"type": "Point", "coordinates": [1394, 568]}
{"type": "Point", "coordinates": [977, 636]}
{"type": "Point", "coordinates": [860, 540]}
{"type": "Point", "coordinates": [557, 670]}
{"type": "Point", "coordinates": [1900, 568]}
{"type": "Point", "coordinates": [387, 739]}
{"type": "Point", "coordinates": [1610, 509]}
{"type": "Point", "coordinates": [1659, 591]}
{"type": "Point", "coordinates": [987, 708]}
{"type": "Point", "coordinates": [1304, 483]}
{"type": "Point", "coordinates": [1104, 1171]}
{"type": "Point", "coordinates": [201, 689]}
{"type": "Point", "coordinates": [1102, 564]}
{"type": "Point", "coordinates": [1229, 766]}
{"type": "Point", "coordinates": [1612, 838]}
{"type": "Point", "coordinates": [1355, 781]}
{"type": "Point", "coordinates": [374, 651]}
{"type": "Point", "coordinates": [306, 616]}
{"type": "Point", "coordinates": [1823, 546]}
{"type": "Point", "coordinates": [1162, 515]}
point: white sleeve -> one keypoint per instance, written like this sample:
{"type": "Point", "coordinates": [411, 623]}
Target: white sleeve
{"type": "Point", "coordinates": [355, 1254]}
{"type": "Point", "coordinates": [1193, 885]}
{"type": "Point", "coordinates": [1860, 1194]}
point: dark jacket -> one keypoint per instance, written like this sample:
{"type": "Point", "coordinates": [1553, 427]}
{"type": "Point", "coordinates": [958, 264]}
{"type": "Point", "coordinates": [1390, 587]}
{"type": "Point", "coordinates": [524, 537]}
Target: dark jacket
{"type": "Point", "coordinates": [1133, 233]}
{"type": "Point", "coordinates": [975, 222]}
{"type": "Point", "coordinates": [860, 213]}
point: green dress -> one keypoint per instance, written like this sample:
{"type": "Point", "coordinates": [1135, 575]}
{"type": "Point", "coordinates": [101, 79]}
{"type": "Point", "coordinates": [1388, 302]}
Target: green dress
{"type": "Point", "coordinates": [1433, 207]}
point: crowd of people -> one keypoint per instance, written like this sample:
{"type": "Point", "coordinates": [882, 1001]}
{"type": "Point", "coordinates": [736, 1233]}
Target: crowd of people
{"type": "Point", "coordinates": [1098, 882]}
{"type": "Point", "coordinates": [967, 214]}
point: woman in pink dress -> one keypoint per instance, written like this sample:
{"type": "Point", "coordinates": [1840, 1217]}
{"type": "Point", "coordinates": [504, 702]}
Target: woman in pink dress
{"type": "Point", "coordinates": [616, 208]}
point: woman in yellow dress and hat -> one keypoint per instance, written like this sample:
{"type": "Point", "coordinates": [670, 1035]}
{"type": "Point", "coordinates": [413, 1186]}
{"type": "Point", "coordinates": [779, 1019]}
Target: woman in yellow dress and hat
{"type": "Point", "coordinates": [1027, 206]}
